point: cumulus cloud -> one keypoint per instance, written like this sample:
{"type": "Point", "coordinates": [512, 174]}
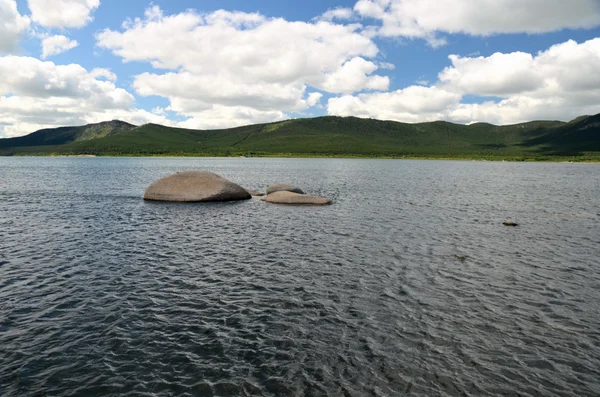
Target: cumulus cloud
{"type": "Point", "coordinates": [98, 73]}
{"type": "Point", "coordinates": [337, 13]}
{"type": "Point", "coordinates": [411, 104]}
{"type": "Point", "coordinates": [559, 83]}
{"type": "Point", "coordinates": [62, 13]}
{"type": "Point", "coordinates": [25, 76]}
{"type": "Point", "coordinates": [54, 45]}
{"type": "Point", "coordinates": [219, 116]}
{"type": "Point", "coordinates": [189, 92]}
{"type": "Point", "coordinates": [12, 26]}
{"type": "Point", "coordinates": [36, 94]}
{"type": "Point", "coordinates": [426, 18]}
{"type": "Point", "coordinates": [497, 75]}
{"type": "Point", "coordinates": [243, 61]}
{"type": "Point", "coordinates": [314, 98]}
{"type": "Point", "coordinates": [355, 75]}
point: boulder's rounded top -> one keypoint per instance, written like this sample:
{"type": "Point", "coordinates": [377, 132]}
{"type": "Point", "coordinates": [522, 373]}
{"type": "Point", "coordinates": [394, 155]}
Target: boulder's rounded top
{"type": "Point", "coordinates": [195, 186]}
{"type": "Point", "coordinates": [282, 187]}
{"type": "Point", "coordinates": [292, 198]}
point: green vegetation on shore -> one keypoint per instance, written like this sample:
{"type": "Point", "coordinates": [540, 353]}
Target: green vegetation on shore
{"type": "Point", "coordinates": [578, 140]}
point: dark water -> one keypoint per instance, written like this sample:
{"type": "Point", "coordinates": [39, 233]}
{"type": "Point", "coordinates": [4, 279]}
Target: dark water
{"type": "Point", "coordinates": [407, 285]}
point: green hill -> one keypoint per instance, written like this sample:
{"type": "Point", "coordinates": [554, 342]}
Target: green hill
{"type": "Point", "coordinates": [326, 136]}
{"type": "Point", "coordinates": [64, 135]}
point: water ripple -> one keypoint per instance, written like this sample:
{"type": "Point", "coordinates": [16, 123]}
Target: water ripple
{"type": "Point", "coordinates": [408, 285]}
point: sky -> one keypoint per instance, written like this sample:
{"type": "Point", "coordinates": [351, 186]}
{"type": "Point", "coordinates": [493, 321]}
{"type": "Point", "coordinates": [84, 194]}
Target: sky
{"type": "Point", "coordinates": [209, 64]}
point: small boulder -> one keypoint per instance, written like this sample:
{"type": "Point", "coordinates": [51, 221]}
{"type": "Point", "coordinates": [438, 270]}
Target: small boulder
{"type": "Point", "coordinates": [283, 188]}
{"type": "Point", "coordinates": [195, 186]}
{"type": "Point", "coordinates": [292, 198]}
{"type": "Point", "coordinates": [509, 223]}
{"type": "Point", "coordinates": [255, 193]}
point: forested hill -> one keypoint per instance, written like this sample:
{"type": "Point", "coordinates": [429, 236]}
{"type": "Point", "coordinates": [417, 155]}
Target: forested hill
{"type": "Point", "coordinates": [64, 135]}
{"type": "Point", "coordinates": [325, 136]}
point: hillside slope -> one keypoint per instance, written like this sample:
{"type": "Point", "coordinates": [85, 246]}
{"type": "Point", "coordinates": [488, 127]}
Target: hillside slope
{"type": "Point", "coordinates": [581, 135]}
{"type": "Point", "coordinates": [64, 135]}
{"type": "Point", "coordinates": [344, 136]}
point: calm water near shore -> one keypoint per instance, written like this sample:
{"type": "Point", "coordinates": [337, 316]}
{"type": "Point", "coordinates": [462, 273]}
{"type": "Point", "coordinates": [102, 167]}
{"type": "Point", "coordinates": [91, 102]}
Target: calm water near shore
{"type": "Point", "coordinates": [408, 285]}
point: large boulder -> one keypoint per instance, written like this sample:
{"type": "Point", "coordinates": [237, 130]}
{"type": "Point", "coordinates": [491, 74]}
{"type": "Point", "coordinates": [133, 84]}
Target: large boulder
{"type": "Point", "coordinates": [292, 198]}
{"type": "Point", "coordinates": [195, 186]}
{"type": "Point", "coordinates": [281, 187]}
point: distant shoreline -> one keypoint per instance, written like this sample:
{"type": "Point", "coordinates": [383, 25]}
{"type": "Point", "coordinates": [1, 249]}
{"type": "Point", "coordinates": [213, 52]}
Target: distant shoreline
{"type": "Point", "coordinates": [511, 159]}
{"type": "Point", "coordinates": [64, 155]}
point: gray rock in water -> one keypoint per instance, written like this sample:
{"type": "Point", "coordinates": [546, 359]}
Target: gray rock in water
{"type": "Point", "coordinates": [281, 187]}
{"type": "Point", "coordinates": [195, 186]}
{"type": "Point", "coordinates": [292, 198]}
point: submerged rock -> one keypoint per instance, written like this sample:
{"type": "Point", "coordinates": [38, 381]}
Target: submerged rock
{"type": "Point", "coordinates": [292, 198]}
{"type": "Point", "coordinates": [509, 223]}
{"type": "Point", "coordinates": [195, 186]}
{"type": "Point", "coordinates": [255, 193]}
{"type": "Point", "coordinates": [281, 187]}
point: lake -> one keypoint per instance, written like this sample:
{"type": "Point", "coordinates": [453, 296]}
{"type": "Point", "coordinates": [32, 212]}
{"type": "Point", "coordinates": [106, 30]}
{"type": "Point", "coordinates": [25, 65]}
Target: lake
{"type": "Point", "coordinates": [408, 285]}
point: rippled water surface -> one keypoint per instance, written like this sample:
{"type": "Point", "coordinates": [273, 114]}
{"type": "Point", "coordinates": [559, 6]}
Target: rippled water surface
{"type": "Point", "coordinates": [408, 285]}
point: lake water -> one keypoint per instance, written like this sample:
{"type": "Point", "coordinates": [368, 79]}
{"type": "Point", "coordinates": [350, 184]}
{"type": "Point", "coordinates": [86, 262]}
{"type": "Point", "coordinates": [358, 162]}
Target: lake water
{"type": "Point", "coordinates": [408, 285]}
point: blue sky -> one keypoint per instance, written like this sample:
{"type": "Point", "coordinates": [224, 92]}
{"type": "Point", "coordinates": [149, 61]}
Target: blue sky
{"type": "Point", "coordinates": [216, 64]}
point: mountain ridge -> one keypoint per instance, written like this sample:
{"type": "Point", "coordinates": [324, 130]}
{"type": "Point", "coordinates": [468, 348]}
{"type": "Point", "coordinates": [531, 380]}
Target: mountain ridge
{"type": "Point", "coordinates": [67, 134]}
{"type": "Point", "coordinates": [323, 136]}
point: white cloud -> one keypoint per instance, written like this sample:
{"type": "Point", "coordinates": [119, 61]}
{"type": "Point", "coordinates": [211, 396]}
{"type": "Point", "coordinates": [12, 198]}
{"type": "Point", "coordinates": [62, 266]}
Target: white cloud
{"type": "Point", "coordinates": [62, 13]}
{"type": "Point", "coordinates": [132, 116]}
{"type": "Point", "coordinates": [425, 18]}
{"type": "Point", "coordinates": [12, 26]}
{"type": "Point", "coordinates": [30, 77]}
{"type": "Point", "coordinates": [387, 66]}
{"type": "Point", "coordinates": [411, 104]}
{"type": "Point", "coordinates": [243, 61]}
{"type": "Point", "coordinates": [54, 45]}
{"type": "Point", "coordinates": [561, 70]}
{"type": "Point", "coordinates": [36, 94]}
{"type": "Point", "coordinates": [261, 49]}
{"type": "Point", "coordinates": [98, 73]}
{"type": "Point", "coordinates": [218, 116]}
{"type": "Point", "coordinates": [337, 13]}
{"type": "Point", "coordinates": [314, 98]}
{"type": "Point", "coordinates": [188, 91]}
{"type": "Point", "coordinates": [497, 75]}
{"type": "Point", "coordinates": [355, 75]}
{"type": "Point", "coordinates": [559, 83]}
{"type": "Point", "coordinates": [159, 110]}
